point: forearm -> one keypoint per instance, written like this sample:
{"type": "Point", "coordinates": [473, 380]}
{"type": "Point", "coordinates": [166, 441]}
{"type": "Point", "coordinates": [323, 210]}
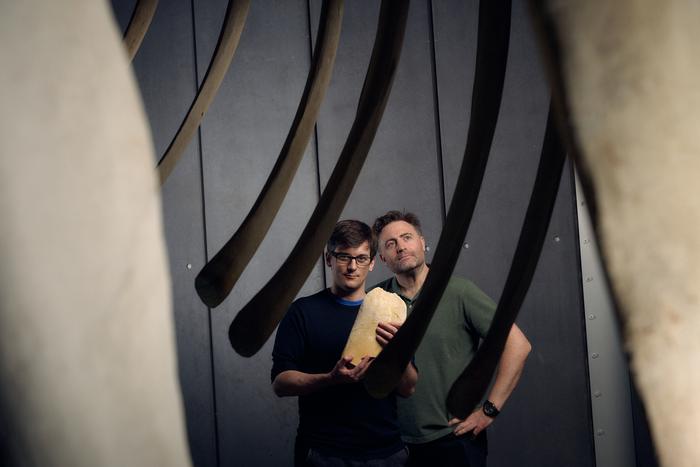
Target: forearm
{"type": "Point", "coordinates": [297, 383]}
{"type": "Point", "coordinates": [510, 367]}
{"type": "Point", "coordinates": [407, 383]}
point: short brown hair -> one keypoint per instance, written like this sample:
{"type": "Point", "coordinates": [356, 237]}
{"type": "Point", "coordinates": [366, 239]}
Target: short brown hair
{"type": "Point", "coordinates": [393, 216]}
{"type": "Point", "coordinates": [350, 234]}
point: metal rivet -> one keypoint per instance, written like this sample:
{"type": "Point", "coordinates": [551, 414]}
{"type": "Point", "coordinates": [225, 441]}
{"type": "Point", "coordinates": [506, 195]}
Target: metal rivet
{"type": "Point", "coordinates": [597, 394]}
{"type": "Point", "coordinates": [557, 239]}
{"type": "Point", "coordinates": [189, 266]}
{"type": "Point", "coordinates": [427, 248]}
{"type": "Point", "coordinates": [591, 317]}
{"type": "Point", "coordinates": [595, 355]}
{"type": "Point", "coordinates": [466, 245]}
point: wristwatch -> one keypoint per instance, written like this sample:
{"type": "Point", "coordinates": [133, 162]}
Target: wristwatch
{"type": "Point", "coordinates": [489, 409]}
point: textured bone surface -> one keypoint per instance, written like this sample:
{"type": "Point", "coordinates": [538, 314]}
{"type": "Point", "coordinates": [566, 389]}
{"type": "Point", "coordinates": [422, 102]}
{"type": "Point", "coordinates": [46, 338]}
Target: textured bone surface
{"type": "Point", "coordinates": [88, 374]}
{"type": "Point", "coordinates": [379, 306]}
{"type": "Point", "coordinates": [632, 76]}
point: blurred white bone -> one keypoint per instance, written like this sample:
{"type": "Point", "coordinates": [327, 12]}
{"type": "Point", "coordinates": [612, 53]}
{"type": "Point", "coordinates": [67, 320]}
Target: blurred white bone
{"type": "Point", "coordinates": [87, 356]}
{"type": "Point", "coordinates": [631, 71]}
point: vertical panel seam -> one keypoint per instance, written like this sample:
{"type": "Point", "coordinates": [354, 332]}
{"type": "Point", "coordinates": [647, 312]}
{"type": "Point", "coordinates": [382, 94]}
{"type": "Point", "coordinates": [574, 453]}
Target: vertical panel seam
{"type": "Point", "coordinates": [582, 312]}
{"type": "Point", "coordinates": [436, 113]}
{"type": "Point", "coordinates": [315, 135]}
{"type": "Point", "coordinates": [205, 243]}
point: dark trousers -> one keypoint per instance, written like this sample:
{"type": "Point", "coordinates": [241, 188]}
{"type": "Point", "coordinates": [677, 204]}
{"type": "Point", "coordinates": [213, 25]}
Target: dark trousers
{"type": "Point", "coordinates": [450, 451]}
{"type": "Point", "coordinates": [307, 457]}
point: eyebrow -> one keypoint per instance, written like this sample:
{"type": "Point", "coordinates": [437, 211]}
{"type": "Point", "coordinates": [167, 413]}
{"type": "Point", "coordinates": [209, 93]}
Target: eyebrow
{"type": "Point", "coordinates": [399, 235]}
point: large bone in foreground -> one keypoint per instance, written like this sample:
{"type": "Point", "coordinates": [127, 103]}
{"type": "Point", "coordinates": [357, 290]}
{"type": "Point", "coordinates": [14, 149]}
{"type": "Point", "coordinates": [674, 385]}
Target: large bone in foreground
{"type": "Point", "coordinates": [379, 306]}
{"type": "Point", "coordinates": [88, 375]}
{"type": "Point", "coordinates": [631, 75]}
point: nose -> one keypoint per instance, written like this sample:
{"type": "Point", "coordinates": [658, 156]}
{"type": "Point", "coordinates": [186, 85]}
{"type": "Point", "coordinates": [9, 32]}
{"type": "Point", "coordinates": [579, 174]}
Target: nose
{"type": "Point", "coordinates": [352, 265]}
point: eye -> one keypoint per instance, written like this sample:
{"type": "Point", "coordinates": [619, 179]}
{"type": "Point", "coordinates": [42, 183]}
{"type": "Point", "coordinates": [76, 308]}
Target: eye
{"type": "Point", "coordinates": [343, 258]}
{"type": "Point", "coordinates": [390, 244]}
{"type": "Point", "coordinates": [407, 236]}
{"type": "Point", "coordinates": [362, 259]}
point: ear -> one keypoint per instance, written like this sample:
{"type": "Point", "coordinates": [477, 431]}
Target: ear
{"type": "Point", "coordinates": [381, 258]}
{"type": "Point", "coordinates": [422, 242]}
{"type": "Point", "coordinates": [371, 264]}
{"type": "Point", "coordinates": [328, 260]}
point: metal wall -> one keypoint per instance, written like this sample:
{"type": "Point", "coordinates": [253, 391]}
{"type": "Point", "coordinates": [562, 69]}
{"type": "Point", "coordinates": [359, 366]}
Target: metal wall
{"type": "Point", "coordinates": [233, 417]}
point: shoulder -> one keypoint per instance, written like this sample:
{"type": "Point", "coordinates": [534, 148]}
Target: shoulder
{"type": "Point", "coordinates": [385, 284]}
{"type": "Point", "coordinates": [304, 306]}
{"type": "Point", "coordinates": [319, 298]}
{"type": "Point", "coordinates": [467, 290]}
{"type": "Point", "coordinates": [459, 284]}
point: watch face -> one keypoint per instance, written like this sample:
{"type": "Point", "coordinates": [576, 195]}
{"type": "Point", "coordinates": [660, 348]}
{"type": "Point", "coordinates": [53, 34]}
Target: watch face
{"type": "Point", "coordinates": [490, 409]}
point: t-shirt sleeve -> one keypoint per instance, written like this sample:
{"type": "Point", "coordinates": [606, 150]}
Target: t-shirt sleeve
{"type": "Point", "coordinates": [478, 308]}
{"type": "Point", "coordinates": [288, 350]}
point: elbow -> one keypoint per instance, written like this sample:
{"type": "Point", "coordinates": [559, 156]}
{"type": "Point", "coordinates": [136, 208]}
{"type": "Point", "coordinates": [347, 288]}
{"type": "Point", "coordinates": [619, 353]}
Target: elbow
{"type": "Point", "coordinates": [526, 348]}
{"type": "Point", "coordinates": [278, 388]}
{"type": "Point", "coordinates": [407, 386]}
{"type": "Point", "coordinates": [407, 392]}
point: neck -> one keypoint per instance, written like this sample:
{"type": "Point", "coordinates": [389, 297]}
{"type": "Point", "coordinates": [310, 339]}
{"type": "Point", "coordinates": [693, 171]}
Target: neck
{"type": "Point", "coordinates": [350, 295]}
{"type": "Point", "coordinates": [411, 282]}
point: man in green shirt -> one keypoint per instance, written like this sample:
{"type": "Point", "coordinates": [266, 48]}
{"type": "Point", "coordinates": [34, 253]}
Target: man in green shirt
{"type": "Point", "coordinates": [464, 314]}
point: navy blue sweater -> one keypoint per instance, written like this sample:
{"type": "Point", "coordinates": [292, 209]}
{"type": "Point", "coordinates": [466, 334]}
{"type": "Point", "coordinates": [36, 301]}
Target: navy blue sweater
{"type": "Point", "coordinates": [341, 420]}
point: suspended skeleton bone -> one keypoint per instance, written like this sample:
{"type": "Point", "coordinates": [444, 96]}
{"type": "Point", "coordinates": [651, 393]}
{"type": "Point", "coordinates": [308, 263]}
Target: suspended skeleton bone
{"type": "Point", "coordinates": [138, 25]}
{"type": "Point", "coordinates": [491, 58]}
{"type": "Point", "coordinates": [469, 388]}
{"type": "Point", "coordinates": [628, 73]}
{"type": "Point", "coordinates": [87, 355]}
{"type": "Point", "coordinates": [257, 320]}
{"type": "Point", "coordinates": [236, 14]}
{"type": "Point", "coordinates": [217, 278]}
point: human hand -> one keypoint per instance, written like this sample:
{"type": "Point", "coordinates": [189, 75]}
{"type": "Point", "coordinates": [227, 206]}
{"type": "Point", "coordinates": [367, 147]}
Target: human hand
{"type": "Point", "coordinates": [475, 423]}
{"type": "Point", "coordinates": [344, 372]}
{"type": "Point", "coordinates": [386, 331]}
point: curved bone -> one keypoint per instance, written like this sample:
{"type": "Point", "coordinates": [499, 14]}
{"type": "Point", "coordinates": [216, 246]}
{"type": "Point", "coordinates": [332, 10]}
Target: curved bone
{"type": "Point", "coordinates": [88, 374]}
{"type": "Point", "coordinates": [469, 388]}
{"type": "Point", "coordinates": [236, 13]}
{"type": "Point", "coordinates": [138, 25]}
{"type": "Point", "coordinates": [220, 274]}
{"type": "Point", "coordinates": [630, 72]}
{"type": "Point", "coordinates": [491, 58]}
{"type": "Point", "coordinates": [255, 322]}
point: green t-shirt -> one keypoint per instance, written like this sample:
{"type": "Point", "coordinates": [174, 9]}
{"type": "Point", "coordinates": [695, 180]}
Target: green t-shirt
{"type": "Point", "coordinates": [462, 317]}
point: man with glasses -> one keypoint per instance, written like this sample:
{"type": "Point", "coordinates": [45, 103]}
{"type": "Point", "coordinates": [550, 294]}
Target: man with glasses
{"type": "Point", "coordinates": [340, 424]}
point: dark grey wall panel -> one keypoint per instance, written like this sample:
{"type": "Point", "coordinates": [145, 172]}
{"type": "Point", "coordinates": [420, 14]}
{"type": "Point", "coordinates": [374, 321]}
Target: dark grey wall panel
{"type": "Point", "coordinates": [547, 420]}
{"type": "Point", "coordinates": [164, 67]}
{"type": "Point", "coordinates": [241, 139]}
{"type": "Point", "coordinates": [401, 170]}
{"type": "Point", "coordinates": [554, 388]}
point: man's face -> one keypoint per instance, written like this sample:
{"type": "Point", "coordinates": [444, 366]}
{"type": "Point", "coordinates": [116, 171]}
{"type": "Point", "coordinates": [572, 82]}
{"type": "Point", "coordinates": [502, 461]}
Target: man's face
{"type": "Point", "coordinates": [401, 247]}
{"type": "Point", "coordinates": [350, 276]}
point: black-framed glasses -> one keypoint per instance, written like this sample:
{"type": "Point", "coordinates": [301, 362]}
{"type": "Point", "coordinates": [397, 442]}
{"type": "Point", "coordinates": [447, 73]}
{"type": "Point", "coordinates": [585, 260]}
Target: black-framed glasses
{"type": "Point", "coordinates": [344, 258]}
